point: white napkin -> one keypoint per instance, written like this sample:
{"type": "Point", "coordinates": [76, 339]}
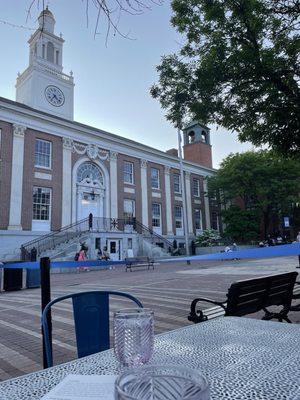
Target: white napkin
{"type": "Point", "coordinates": [83, 387]}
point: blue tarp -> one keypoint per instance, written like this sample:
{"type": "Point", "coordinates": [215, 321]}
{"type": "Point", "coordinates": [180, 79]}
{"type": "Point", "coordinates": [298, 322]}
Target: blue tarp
{"type": "Point", "coordinates": [61, 264]}
{"type": "Point", "coordinates": [265, 252]}
{"type": "Point", "coordinates": [284, 250]}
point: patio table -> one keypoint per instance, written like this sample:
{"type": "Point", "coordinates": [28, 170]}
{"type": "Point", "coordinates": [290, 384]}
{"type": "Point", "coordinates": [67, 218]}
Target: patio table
{"type": "Point", "coordinates": [242, 358]}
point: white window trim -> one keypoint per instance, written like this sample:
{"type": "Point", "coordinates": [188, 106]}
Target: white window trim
{"type": "Point", "coordinates": [41, 221]}
{"type": "Point", "coordinates": [201, 224]}
{"type": "Point", "coordinates": [160, 216]}
{"type": "Point", "coordinates": [177, 218]}
{"type": "Point", "coordinates": [158, 179]}
{"type": "Point", "coordinates": [198, 185]}
{"type": "Point", "coordinates": [180, 184]}
{"type": "Point", "coordinates": [132, 164]}
{"type": "Point", "coordinates": [42, 166]}
{"type": "Point", "coordinates": [132, 201]}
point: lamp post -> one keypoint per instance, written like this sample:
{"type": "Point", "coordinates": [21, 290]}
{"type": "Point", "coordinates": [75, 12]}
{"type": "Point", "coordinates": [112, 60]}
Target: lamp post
{"type": "Point", "coordinates": [185, 226]}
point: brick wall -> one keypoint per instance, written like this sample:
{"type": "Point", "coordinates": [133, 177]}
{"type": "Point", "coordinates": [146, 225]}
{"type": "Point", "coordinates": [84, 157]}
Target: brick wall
{"type": "Point", "coordinates": [199, 153]}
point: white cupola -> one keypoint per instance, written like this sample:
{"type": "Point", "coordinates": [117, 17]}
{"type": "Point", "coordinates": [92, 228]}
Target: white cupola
{"type": "Point", "coordinates": [43, 85]}
{"type": "Point", "coordinates": [46, 21]}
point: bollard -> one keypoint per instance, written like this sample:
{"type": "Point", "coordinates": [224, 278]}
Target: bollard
{"type": "Point", "coordinates": [45, 299]}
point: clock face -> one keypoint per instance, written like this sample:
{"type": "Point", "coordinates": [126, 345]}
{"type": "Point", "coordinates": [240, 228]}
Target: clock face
{"type": "Point", "coordinates": [54, 96]}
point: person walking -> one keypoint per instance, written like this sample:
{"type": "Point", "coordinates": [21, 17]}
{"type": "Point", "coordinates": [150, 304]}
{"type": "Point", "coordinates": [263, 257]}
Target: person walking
{"type": "Point", "coordinates": [82, 257]}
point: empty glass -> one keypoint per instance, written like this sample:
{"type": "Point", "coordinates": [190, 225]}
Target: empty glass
{"type": "Point", "coordinates": [133, 336]}
{"type": "Point", "coordinates": [161, 383]}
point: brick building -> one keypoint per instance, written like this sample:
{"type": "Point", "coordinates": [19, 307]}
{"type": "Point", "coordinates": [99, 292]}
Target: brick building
{"type": "Point", "coordinates": [55, 171]}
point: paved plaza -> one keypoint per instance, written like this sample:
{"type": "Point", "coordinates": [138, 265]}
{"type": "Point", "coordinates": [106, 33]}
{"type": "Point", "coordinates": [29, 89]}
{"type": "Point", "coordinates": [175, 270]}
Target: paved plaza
{"type": "Point", "coordinates": [168, 290]}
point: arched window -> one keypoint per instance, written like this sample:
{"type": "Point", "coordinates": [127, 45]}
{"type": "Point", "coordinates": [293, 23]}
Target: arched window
{"type": "Point", "coordinates": [191, 137]}
{"type": "Point", "coordinates": [50, 52]}
{"type": "Point", "coordinates": [203, 136]}
{"type": "Point", "coordinates": [90, 173]}
{"type": "Point", "coordinates": [57, 57]}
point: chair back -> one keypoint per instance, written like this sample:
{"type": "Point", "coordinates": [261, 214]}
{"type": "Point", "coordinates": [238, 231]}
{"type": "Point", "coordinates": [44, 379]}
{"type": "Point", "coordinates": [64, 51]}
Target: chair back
{"type": "Point", "coordinates": [91, 321]}
{"type": "Point", "coordinates": [252, 295]}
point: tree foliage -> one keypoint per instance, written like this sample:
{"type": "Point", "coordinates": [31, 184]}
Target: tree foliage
{"type": "Point", "coordinates": [238, 67]}
{"type": "Point", "coordinates": [209, 237]}
{"type": "Point", "coordinates": [241, 225]}
{"type": "Point", "coordinates": [263, 185]}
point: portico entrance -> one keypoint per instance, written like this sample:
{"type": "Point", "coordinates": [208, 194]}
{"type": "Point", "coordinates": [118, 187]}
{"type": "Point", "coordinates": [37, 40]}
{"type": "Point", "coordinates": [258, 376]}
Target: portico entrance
{"type": "Point", "coordinates": [90, 191]}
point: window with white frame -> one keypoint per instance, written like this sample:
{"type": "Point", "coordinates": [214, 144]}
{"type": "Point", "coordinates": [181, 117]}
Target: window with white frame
{"type": "Point", "coordinates": [129, 244]}
{"type": "Point", "coordinates": [177, 183]}
{"type": "Point", "coordinates": [196, 187]}
{"type": "Point", "coordinates": [128, 172]}
{"type": "Point", "coordinates": [42, 153]}
{"type": "Point", "coordinates": [41, 203]}
{"type": "Point", "coordinates": [198, 222]}
{"type": "Point", "coordinates": [129, 211]}
{"type": "Point", "coordinates": [155, 178]}
{"type": "Point", "coordinates": [156, 215]}
{"type": "Point", "coordinates": [178, 217]}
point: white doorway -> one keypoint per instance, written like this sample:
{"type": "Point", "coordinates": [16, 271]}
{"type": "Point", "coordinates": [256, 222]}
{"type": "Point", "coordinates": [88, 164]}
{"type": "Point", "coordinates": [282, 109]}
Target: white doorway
{"type": "Point", "coordinates": [90, 191]}
{"type": "Point", "coordinates": [114, 249]}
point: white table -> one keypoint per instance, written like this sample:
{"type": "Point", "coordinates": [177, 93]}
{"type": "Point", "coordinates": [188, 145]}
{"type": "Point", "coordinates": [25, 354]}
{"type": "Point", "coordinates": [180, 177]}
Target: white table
{"type": "Point", "coordinates": [242, 358]}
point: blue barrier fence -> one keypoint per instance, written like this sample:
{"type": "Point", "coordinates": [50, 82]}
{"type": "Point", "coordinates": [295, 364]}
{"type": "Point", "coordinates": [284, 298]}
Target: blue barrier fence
{"type": "Point", "coordinates": [265, 252]}
{"type": "Point", "coordinates": [61, 264]}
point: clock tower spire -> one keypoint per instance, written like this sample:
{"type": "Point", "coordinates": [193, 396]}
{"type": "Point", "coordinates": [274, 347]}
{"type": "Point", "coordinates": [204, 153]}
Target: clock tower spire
{"type": "Point", "coordinates": [43, 85]}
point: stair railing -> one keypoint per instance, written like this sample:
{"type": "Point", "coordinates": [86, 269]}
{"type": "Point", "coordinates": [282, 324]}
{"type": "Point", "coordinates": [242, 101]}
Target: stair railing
{"type": "Point", "coordinates": [95, 224]}
{"type": "Point", "coordinates": [155, 237]}
{"type": "Point", "coordinates": [53, 239]}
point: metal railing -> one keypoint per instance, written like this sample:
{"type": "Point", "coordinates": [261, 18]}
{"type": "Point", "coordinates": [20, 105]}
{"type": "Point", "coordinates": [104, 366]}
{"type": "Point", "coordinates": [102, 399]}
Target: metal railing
{"type": "Point", "coordinates": [94, 224]}
{"type": "Point", "coordinates": [155, 237]}
{"type": "Point", "coordinates": [53, 239]}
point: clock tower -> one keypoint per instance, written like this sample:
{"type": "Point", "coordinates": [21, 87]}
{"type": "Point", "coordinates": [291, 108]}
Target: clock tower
{"type": "Point", "coordinates": [43, 85]}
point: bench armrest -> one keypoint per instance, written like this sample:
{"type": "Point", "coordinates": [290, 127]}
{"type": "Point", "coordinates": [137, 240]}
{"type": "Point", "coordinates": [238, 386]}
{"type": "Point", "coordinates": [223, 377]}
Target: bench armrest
{"type": "Point", "coordinates": [197, 315]}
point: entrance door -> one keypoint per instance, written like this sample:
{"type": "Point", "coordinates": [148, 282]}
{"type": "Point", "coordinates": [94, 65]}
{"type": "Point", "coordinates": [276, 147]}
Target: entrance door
{"type": "Point", "coordinates": [114, 248]}
{"type": "Point", "coordinates": [89, 203]}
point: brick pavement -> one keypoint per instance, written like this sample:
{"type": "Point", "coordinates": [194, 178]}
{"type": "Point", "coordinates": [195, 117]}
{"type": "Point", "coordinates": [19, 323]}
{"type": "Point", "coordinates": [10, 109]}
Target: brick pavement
{"type": "Point", "coordinates": [168, 290]}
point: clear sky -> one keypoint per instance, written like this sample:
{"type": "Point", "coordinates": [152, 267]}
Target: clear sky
{"type": "Point", "coordinates": [112, 80]}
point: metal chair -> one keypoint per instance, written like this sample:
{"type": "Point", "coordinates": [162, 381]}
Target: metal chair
{"type": "Point", "coordinates": [91, 320]}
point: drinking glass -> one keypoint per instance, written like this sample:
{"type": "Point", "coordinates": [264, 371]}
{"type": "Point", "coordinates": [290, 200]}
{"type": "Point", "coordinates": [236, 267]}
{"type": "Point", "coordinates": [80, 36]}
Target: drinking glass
{"type": "Point", "coordinates": [133, 336]}
{"type": "Point", "coordinates": [161, 383]}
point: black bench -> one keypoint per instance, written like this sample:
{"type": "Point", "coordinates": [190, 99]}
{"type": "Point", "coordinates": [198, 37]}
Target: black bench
{"type": "Point", "coordinates": [138, 262]}
{"type": "Point", "coordinates": [252, 295]}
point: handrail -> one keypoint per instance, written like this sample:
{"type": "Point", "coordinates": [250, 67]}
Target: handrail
{"type": "Point", "coordinates": [49, 238]}
{"type": "Point", "coordinates": [96, 224]}
{"type": "Point", "coordinates": [152, 233]}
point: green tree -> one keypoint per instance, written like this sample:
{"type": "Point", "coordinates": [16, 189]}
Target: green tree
{"type": "Point", "coordinates": [260, 183]}
{"type": "Point", "coordinates": [238, 67]}
{"type": "Point", "coordinates": [241, 225]}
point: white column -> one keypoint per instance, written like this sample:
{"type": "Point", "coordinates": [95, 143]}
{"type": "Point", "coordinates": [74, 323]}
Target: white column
{"type": "Point", "coordinates": [15, 210]}
{"type": "Point", "coordinates": [168, 201]}
{"type": "Point", "coordinates": [144, 186]}
{"type": "Point", "coordinates": [189, 202]}
{"type": "Point", "coordinates": [66, 182]}
{"type": "Point", "coordinates": [206, 205]}
{"type": "Point", "coordinates": [113, 184]}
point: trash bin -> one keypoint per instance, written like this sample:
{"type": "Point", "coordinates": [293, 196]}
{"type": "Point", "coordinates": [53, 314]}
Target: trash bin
{"type": "Point", "coordinates": [33, 276]}
{"type": "Point", "coordinates": [12, 278]}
